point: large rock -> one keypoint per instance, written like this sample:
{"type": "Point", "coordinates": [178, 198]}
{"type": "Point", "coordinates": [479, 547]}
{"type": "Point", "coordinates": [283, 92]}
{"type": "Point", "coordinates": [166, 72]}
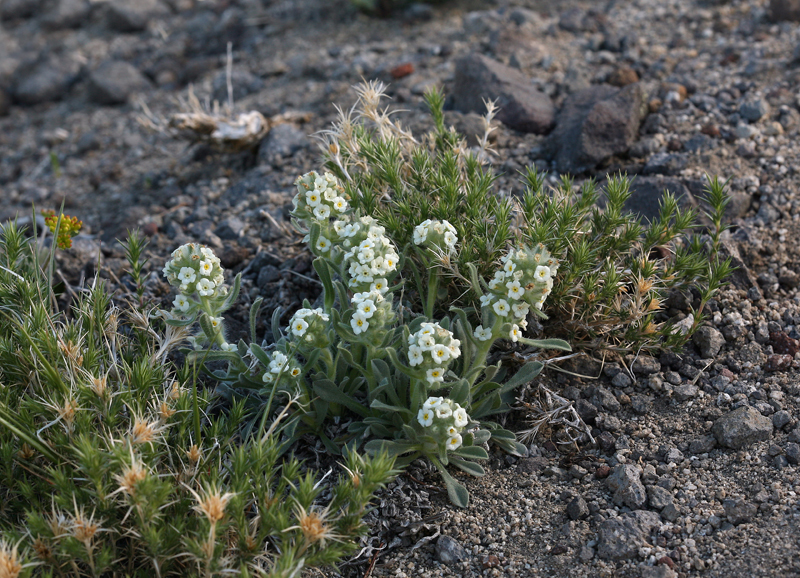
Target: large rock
{"type": "Point", "coordinates": [47, 80]}
{"type": "Point", "coordinates": [66, 14]}
{"type": "Point", "coordinates": [627, 486]}
{"type": "Point", "coordinates": [622, 537]}
{"type": "Point", "coordinates": [132, 15]}
{"type": "Point", "coordinates": [522, 107]}
{"type": "Point", "coordinates": [449, 550]}
{"type": "Point", "coordinates": [114, 81]}
{"type": "Point", "coordinates": [11, 9]}
{"type": "Point", "coordinates": [647, 193]}
{"type": "Point", "coordinates": [282, 141]}
{"type": "Point", "coordinates": [784, 10]}
{"type": "Point", "coordinates": [596, 123]}
{"type": "Point", "coordinates": [242, 83]}
{"type": "Point", "coordinates": [709, 341]}
{"type": "Point", "coordinates": [742, 427]}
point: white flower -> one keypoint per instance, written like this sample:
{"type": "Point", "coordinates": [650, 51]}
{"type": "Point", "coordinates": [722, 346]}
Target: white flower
{"type": "Point", "coordinates": [455, 348]}
{"type": "Point", "coordinates": [339, 226]}
{"type": "Point", "coordinates": [215, 321]}
{"type": "Point", "coordinates": [420, 234]}
{"type": "Point", "coordinates": [187, 275]}
{"type": "Point", "coordinates": [443, 411]}
{"type": "Point", "coordinates": [359, 323]}
{"type": "Point", "coordinates": [181, 303]}
{"type": "Point", "coordinates": [330, 194]}
{"type": "Point", "coordinates": [515, 290]}
{"type": "Point", "coordinates": [323, 244]}
{"type": "Point", "coordinates": [364, 274]}
{"type": "Point", "coordinates": [299, 327]}
{"type": "Point", "coordinates": [366, 255]}
{"type": "Point", "coordinates": [515, 333]}
{"type": "Point", "coordinates": [322, 212]}
{"type": "Point", "coordinates": [450, 239]}
{"type": "Point", "coordinates": [520, 310]}
{"type": "Point", "coordinates": [482, 334]}
{"type": "Point", "coordinates": [486, 299]}
{"type": "Point", "coordinates": [440, 353]}
{"type": "Point", "coordinates": [454, 442]}
{"type": "Point", "coordinates": [414, 355]}
{"type": "Point", "coordinates": [461, 417]}
{"type": "Point", "coordinates": [426, 342]}
{"type": "Point", "coordinates": [389, 262]}
{"type": "Point", "coordinates": [542, 273]}
{"type": "Point", "coordinates": [367, 307]}
{"type": "Point", "coordinates": [206, 267]}
{"type": "Point", "coordinates": [425, 417]}
{"type": "Point", "coordinates": [268, 377]}
{"type": "Point", "coordinates": [501, 308]}
{"type": "Point", "coordinates": [509, 267]}
{"type": "Point", "coordinates": [380, 285]}
{"type": "Point", "coordinates": [339, 204]}
{"type": "Point", "coordinates": [205, 287]}
{"type": "Point", "coordinates": [452, 430]}
{"type": "Point", "coordinates": [434, 375]}
{"type": "Point", "coordinates": [433, 402]}
{"type": "Point", "coordinates": [313, 198]}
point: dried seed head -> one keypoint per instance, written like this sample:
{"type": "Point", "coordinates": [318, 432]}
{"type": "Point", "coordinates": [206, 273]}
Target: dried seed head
{"type": "Point", "coordinates": [194, 454]}
{"type": "Point", "coordinates": [144, 432]}
{"type": "Point", "coordinates": [67, 413]}
{"type": "Point", "coordinates": [10, 566]}
{"type": "Point", "coordinates": [83, 527]}
{"type": "Point", "coordinates": [165, 411]}
{"type": "Point", "coordinates": [26, 452]}
{"type": "Point", "coordinates": [98, 386]}
{"type": "Point", "coordinates": [58, 523]}
{"type": "Point", "coordinates": [643, 285]}
{"type": "Point", "coordinates": [313, 523]}
{"type": "Point", "coordinates": [174, 391]}
{"type": "Point", "coordinates": [131, 476]}
{"type": "Point", "coordinates": [655, 303]}
{"type": "Point", "coordinates": [71, 351]}
{"type": "Point", "coordinates": [42, 550]}
{"type": "Point", "coordinates": [212, 504]}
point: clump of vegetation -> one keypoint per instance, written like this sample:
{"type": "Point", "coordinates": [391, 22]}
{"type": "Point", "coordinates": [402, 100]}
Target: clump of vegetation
{"type": "Point", "coordinates": [115, 461]}
{"type": "Point", "coordinates": [615, 271]}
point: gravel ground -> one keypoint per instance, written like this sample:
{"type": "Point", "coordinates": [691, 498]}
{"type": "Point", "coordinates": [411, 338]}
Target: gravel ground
{"type": "Point", "coordinates": [695, 472]}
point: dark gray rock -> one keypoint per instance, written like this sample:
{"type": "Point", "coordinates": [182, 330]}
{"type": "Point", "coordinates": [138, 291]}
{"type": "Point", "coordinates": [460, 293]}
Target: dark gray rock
{"type": "Point", "coordinates": [66, 14]}
{"type": "Point", "coordinates": [784, 10]}
{"type": "Point", "coordinates": [741, 277]}
{"type": "Point", "coordinates": [698, 143]}
{"type": "Point", "coordinates": [268, 274]}
{"type": "Point", "coordinates": [641, 404]}
{"type": "Point", "coordinates": [522, 107]}
{"type": "Point", "coordinates": [645, 365]}
{"type": "Point", "coordinates": [5, 102]}
{"type": "Point", "coordinates": [671, 513]}
{"type": "Point", "coordinates": [602, 398]}
{"type": "Point", "coordinates": [627, 487]}
{"type": "Point", "coordinates": [596, 123]}
{"type": "Point", "coordinates": [621, 538]}
{"type": "Point", "coordinates": [577, 509]}
{"type": "Point", "coordinates": [449, 550]}
{"type": "Point", "coordinates": [665, 164]}
{"type": "Point", "coordinates": [673, 455]}
{"type": "Point", "coordinates": [754, 110]}
{"type": "Point", "coordinates": [621, 380]}
{"type": "Point", "coordinates": [739, 511]}
{"type": "Point", "coordinates": [658, 497]}
{"type": "Point", "coordinates": [709, 341]}
{"type": "Point", "coordinates": [660, 571]}
{"type": "Point", "coordinates": [793, 453]}
{"type": "Point", "coordinates": [132, 15]}
{"type": "Point", "coordinates": [685, 392]}
{"type": "Point", "coordinates": [282, 141]}
{"type": "Point", "coordinates": [702, 445]}
{"type": "Point", "coordinates": [12, 9]}
{"type": "Point", "coordinates": [648, 192]}
{"type": "Point", "coordinates": [742, 427]}
{"type": "Point", "coordinates": [781, 419]}
{"type": "Point", "coordinates": [586, 410]}
{"type": "Point", "coordinates": [231, 228]}
{"type": "Point", "coordinates": [48, 80]}
{"type": "Point", "coordinates": [114, 81]}
{"type": "Point", "coordinates": [243, 83]}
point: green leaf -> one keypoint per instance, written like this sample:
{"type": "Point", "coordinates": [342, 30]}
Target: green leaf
{"type": "Point", "coordinates": [233, 294]}
{"type": "Point", "coordinates": [391, 448]}
{"type": "Point", "coordinates": [469, 467]}
{"type": "Point", "coordinates": [260, 354]}
{"type": "Point", "coordinates": [276, 324]}
{"type": "Point", "coordinates": [457, 493]}
{"type": "Point", "coordinates": [381, 369]}
{"type": "Point", "coordinates": [376, 404]}
{"type": "Point", "coordinates": [512, 447]}
{"type": "Point", "coordinates": [525, 374]}
{"type": "Point", "coordinates": [481, 436]}
{"type": "Point", "coordinates": [328, 391]}
{"type": "Point", "coordinates": [181, 322]}
{"type": "Point", "coordinates": [404, 369]}
{"type": "Point", "coordinates": [559, 344]}
{"type": "Point", "coordinates": [471, 452]}
{"type": "Point", "coordinates": [460, 392]}
{"type": "Point", "coordinates": [254, 310]}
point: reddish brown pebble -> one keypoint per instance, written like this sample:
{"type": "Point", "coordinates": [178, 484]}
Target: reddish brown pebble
{"type": "Point", "coordinates": [558, 550]}
{"type": "Point", "coordinates": [674, 145]}
{"type": "Point", "coordinates": [602, 472]}
{"type": "Point", "coordinates": [402, 70]}
{"type": "Point", "coordinates": [711, 130]}
{"type": "Point", "coordinates": [725, 372]}
{"type": "Point", "coordinates": [731, 58]}
{"type": "Point", "coordinates": [150, 229]}
{"type": "Point", "coordinates": [778, 363]}
{"type": "Point", "coordinates": [623, 76]}
{"type": "Point", "coordinates": [655, 104]}
{"type": "Point", "coordinates": [549, 446]}
{"type": "Point", "coordinates": [491, 561]}
{"type": "Point", "coordinates": [782, 343]}
{"type": "Point", "coordinates": [667, 561]}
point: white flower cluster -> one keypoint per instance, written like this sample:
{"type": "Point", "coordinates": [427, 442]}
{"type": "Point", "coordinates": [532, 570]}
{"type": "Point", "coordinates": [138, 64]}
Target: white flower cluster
{"type": "Point", "coordinates": [445, 419]}
{"type": "Point", "coordinates": [319, 197]}
{"type": "Point", "coordinates": [280, 365]}
{"type": "Point", "coordinates": [193, 268]}
{"type": "Point", "coordinates": [310, 327]}
{"type": "Point", "coordinates": [437, 234]}
{"type": "Point", "coordinates": [370, 255]}
{"type": "Point", "coordinates": [525, 280]}
{"type": "Point", "coordinates": [371, 308]}
{"type": "Point", "coordinates": [432, 348]}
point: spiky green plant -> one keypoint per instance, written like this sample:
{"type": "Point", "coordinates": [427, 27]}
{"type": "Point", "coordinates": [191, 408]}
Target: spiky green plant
{"type": "Point", "coordinates": [102, 470]}
{"type": "Point", "coordinates": [615, 271]}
